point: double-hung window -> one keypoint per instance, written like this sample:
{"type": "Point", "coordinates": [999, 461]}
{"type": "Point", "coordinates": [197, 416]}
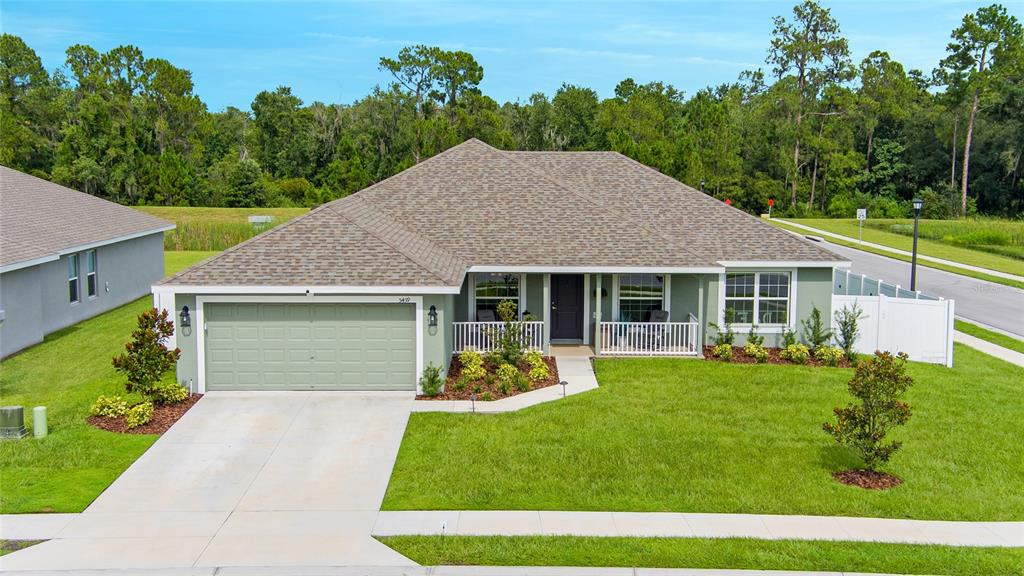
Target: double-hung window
{"type": "Point", "coordinates": [491, 288]}
{"type": "Point", "coordinates": [758, 297]}
{"type": "Point", "coordinates": [91, 287]}
{"type": "Point", "coordinates": [73, 289]}
{"type": "Point", "coordinates": [639, 295]}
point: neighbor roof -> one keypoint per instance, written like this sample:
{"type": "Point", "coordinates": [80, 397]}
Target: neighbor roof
{"type": "Point", "coordinates": [40, 220]}
{"type": "Point", "coordinates": [474, 205]}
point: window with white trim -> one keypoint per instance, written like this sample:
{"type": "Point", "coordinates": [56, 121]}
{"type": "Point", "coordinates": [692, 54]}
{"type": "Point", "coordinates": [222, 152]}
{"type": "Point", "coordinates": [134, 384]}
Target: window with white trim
{"type": "Point", "coordinates": [639, 295]}
{"type": "Point", "coordinates": [73, 289]}
{"type": "Point", "coordinates": [91, 287]}
{"type": "Point", "coordinates": [758, 297]}
{"type": "Point", "coordinates": [493, 287]}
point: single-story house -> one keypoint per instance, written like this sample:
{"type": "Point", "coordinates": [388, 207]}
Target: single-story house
{"type": "Point", "coordinates": [66, 256]}
{"type": "Point", "coordinates": [594, 248]}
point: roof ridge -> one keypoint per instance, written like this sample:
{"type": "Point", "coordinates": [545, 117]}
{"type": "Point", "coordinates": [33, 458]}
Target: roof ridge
{"type": "Point", "coordinates": [572, 190]}
{"type": "Point", "coordinates": [715, 200]}
{"type": "Point", "coordinates": [338, 209]}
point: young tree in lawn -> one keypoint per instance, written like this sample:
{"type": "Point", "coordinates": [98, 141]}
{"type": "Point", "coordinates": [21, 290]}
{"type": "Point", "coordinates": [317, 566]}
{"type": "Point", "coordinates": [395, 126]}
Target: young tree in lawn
{"type": "Point", "coordinates": [987, 51]}
{"type": "Point", "coordinates": [146, 358]}
{"type": "Point", "coordinates": [811, 51]}
{"type": "Point", "coordinates": [878, 386]}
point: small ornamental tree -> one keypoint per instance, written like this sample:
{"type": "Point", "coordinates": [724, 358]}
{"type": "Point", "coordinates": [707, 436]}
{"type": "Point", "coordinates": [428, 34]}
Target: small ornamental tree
{"type": "Point", "coordinates": [878, 384]}
{"type": "Point", "coordinates": [815, 333]}
{"type": "Point", "coordinates": [510, 338]}
{"type": "Point", "coordinates": [146, 358]}
{"type": "Point", "coordinates": [847, 332]}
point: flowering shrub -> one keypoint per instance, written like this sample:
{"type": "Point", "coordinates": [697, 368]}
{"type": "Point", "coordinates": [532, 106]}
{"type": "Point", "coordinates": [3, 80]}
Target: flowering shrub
{"type": "Point", "coordinates": [538, 367]}
{"type": "Point", "coordinates": [723, 352]}
{"type": "Point", "coordinates": [756, 351]}
{"type": "Point", "coordinates": [507, 374]}
{"type": "Point", "coordinates": [109, 406]}
{"type": "Point", "coordinates": [169, 393]}
{"type": "Point", "coordinates": [472, 364]}
{"type": "Point", "coordinates": [830, 355]}
{"type": "Point", "coordinates": [139, 414]}
{"type": "Point", "coordinates": [796, 353]}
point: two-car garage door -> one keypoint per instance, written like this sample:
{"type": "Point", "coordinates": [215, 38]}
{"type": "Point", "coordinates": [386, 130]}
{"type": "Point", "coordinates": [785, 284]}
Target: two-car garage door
{"type": "Point", "coordinates": [256, 346]}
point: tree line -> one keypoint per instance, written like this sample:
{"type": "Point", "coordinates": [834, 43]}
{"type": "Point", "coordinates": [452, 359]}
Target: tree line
{"type": "Point", "coordinates": [815, 131]}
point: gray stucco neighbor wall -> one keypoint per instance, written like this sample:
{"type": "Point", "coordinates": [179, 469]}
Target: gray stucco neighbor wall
{"type": "Point", "coordinates": [35, 299]}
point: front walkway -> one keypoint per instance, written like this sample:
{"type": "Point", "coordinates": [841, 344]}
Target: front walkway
{"type": "Point", "coordinates": [687, 525]}
{"type": "Point", "coordinates": [245, 479]}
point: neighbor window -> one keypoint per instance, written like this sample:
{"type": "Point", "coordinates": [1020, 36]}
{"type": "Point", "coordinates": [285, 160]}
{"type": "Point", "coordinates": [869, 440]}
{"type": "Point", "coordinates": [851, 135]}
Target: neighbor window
{"type": "Point", "coordinates": [73, 292]}
{"type": "Point", "coordinates": [492, 288]}
{"type": "Point", "coordinates": [90, 273]}
{"type": "Point", "coordinates": [758, 297]}
{"type": "Point", "coordinates": [639, 294]}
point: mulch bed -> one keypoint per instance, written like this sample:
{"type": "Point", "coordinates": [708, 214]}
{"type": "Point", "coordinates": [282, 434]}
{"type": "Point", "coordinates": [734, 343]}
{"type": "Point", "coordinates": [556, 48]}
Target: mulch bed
{"type": "Point", "coordinates": [163, 418]}
{"type": "Point", "coordinates": [868, 479]}
{"type": "Point", "coordinates": [739, 357]}
{"type": "Point", "coordinates": [482, 389]}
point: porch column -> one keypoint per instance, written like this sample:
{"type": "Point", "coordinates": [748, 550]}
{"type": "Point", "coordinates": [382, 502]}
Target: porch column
{"type": "Point", "coordinates": [547, 314]}
{"type": "Point", "coordinates": [700, 314]}
{"type": "Point", "coordinates": [597, 317]}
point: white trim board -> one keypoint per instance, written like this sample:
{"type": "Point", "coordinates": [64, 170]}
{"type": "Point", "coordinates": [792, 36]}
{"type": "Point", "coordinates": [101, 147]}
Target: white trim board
{"type": "Point", "coordinates": [199, 322]}
{"type": "Point", "coordinates": [307, 291]}
{"type": "Point", "coordinates": [784, 264]}
{"type": "Point", "coordinates": [598, 269]}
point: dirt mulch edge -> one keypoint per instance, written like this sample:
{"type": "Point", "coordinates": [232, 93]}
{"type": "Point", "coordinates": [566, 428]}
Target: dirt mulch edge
{"type": "Point", "coordinates": [455, 370]}
{"type": "Point", "coordinates": [867, 479]}
{"type": "Point", "coordinates": [163, 418]}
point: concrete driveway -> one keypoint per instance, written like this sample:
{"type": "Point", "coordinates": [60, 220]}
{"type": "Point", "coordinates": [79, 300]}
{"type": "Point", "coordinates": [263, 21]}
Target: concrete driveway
{"type": "Point", "coordinates": [245, 479]}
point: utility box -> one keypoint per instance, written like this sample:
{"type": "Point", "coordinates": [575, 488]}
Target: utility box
{"type": "Point", "coordinates": [12, 422]}
{"type": "Point", "coordinates": [258, 221]}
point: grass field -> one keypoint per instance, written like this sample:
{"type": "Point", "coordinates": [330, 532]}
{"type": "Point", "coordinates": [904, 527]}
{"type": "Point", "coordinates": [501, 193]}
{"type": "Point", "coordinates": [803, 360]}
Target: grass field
{"type": "Point", "coordinates": [67, 470]}
{"type": "Point", "coordinates": [709, 553]}
{"type": "Point", "coordinates": [691, 436]}
{"type": "Point", "coordinates": [214, 228]}
{"type": "Point", "coordinates": [880, 252]}
{"type": "Point", "coordinates": [990, 336]}
{"type": "Point", "coordinates": [927, 246]}
{"type": "Point", "coordinates": [997, 236]}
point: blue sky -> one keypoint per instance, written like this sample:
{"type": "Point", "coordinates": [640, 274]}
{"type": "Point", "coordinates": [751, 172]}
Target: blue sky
{"type": "Point", "coordinates": [328, 51]}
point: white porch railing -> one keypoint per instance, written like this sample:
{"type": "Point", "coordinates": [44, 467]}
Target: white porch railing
{"type": "Point", "coordinates": [649, 339]}
{"type": "Point", "coordinates": [480, 336]}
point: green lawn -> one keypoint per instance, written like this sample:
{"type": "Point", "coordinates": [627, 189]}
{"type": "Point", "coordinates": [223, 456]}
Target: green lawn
{"type": "Point", "coordinates": [880, 252]}
{"type": "Point", "coordinates": [708, 553]}
{"type": "Point", "coordinates": [214, 228]}
{"type": "Point", "coordinates": [990, 336]}
{"type": "Point", "coordinates": [694, 436]}
{"type": "Point", "coordinates": [926, 246]}
{"type": "Point", "coordinates": [67, 470]}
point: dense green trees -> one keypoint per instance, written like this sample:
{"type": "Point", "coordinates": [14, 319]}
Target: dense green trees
{"type": "Point", "coordinates": [815, 131]}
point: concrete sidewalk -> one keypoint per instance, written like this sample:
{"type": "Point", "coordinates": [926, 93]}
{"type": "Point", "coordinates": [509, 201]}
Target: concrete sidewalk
{"type": "Point", "coordinates": [687, 525]}
{"type": "Point", "coordinates": [892, 250]}
{"type": "Point", "coordinates": [989, 348]}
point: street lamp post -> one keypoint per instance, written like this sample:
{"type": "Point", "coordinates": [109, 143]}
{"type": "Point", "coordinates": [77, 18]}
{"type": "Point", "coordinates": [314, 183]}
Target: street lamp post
{"type": "Point", "coordinates": [913, 258]}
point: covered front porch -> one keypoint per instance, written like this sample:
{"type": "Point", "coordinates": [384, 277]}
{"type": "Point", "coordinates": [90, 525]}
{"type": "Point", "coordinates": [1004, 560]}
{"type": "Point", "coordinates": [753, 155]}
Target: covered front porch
{"type": "Point", "coordinates": [623, 313]}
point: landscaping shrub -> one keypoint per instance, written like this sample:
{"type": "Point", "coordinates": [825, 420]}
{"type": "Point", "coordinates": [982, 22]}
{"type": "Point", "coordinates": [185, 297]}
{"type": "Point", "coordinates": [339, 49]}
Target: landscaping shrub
{"type": "Point", "coordinates": [725, 335]}
{"type": "Point", "coordinates": [169, 393]}
{"type": "Point", "coordinates": [461, 383]}
{"type": "Point", "coordinates": [788, 338]}
{"type": "Point", "coordinates": [847, 320]}
{"type": "Point", "coordinates": [146, 359]}
{"type": "Point", "coordinates": [538, 367]}
{"type": "Point", "coordinates": [509, 338]}
{"type": "Point", "coordinates": [753, 337]}
{"type": "Point", "coordinates": [830, 355]}
{"type": "Point", "coordinates": [723, 351]}
{"type": "Point", "coordinates": [877, 387]}
{"type": "Point", "coordinates": [109, 406]}
{"type": "Point", "coordinates": [139, 414]}
{"type": "Point", "coordinates": [431, 381]}
{"type": "Point", "coordinates": [522, 382]}
{"type": "Point", "coordinates": [815, 333]}
{"type": "Point", "coordinates": [756, 351]}
{"type": "Point", "coordinates": [507, 374]}
{"type": "Point", "coordinates": [796, 353]}
{"type": "Point", "coordinates": [472, 364]}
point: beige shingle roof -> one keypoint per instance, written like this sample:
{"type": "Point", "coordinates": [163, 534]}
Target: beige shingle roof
{"type": "Point", "coordinates": [474, 205]}
{"type": "Point", "coordinates": [40, 219]}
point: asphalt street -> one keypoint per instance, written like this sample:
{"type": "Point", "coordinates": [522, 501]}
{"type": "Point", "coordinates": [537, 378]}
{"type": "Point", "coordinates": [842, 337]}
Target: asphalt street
{"type": "Point", "coordinates": [989, 303]}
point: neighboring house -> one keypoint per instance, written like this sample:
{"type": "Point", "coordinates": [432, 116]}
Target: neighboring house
{"type": "Point", "coordinates": [362, 293]}
{"type": "Point", "coordinates": [66, 256]}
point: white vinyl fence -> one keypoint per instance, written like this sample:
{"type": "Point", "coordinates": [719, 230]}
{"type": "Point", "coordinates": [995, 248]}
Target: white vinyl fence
{"type": "Point", "coordinates": [921, 328]}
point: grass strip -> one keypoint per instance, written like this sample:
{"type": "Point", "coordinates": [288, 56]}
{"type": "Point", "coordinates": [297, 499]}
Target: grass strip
{"type": "Point", "coordinates": [987, 335]}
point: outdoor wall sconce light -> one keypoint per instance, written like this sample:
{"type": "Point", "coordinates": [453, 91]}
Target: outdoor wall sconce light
{"type": "Point", "coordinates": [186, 321]}
{"type": "Point", "coordinates": [432, 316]}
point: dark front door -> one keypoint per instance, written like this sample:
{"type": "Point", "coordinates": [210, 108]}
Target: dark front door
{"type": "Point", "coordinates": [566, 307]}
